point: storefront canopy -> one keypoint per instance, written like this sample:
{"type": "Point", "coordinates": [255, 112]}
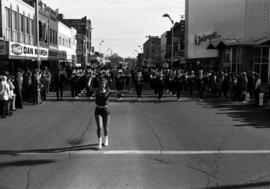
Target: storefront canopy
{"type": "Point", "coordinates": [221, 43]}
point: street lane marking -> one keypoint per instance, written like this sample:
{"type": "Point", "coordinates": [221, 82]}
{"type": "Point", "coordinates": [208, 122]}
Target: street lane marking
{"type": "Point", "coordinates": [151, 152]}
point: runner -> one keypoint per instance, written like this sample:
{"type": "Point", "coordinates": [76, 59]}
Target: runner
{"type": "Point", "coordinates": [102, 112]}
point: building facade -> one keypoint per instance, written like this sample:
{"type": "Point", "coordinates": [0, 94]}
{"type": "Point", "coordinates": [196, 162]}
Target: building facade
{"type": "Point", "coordinates": [28, 43]}
{"type": "Point", "coordinates": [18, 44]}
{"type": "Point", "coordinates": [84, 38]}
{"type": "Point", "coordinates": [178, 45]}
{"type": "Point", "coordinates": [233, 34]}
{"type": "Point", "coordinates": [67, 44]}
{"type": "Point", "coordinates": [164, 48]}
{"type": "Point", "coordinates": [151, 51]}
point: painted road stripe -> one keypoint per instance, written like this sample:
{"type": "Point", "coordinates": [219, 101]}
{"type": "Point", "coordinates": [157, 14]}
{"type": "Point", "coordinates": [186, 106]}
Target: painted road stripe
{"type": "Point", "coordinates": [151, 152]}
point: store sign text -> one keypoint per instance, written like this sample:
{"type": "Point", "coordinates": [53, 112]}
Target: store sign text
{"type": "Point", "coordinates": [202, 38]}
{"type": "Point", "coordinates": [27, 50]}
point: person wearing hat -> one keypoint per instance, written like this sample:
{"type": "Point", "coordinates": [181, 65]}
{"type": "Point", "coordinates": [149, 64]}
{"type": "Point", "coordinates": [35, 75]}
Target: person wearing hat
{"type": "Point", "coordinates": [138, 84]}
{"type": "Point", "coordinates": [60, 79]}
{"type": "Point", "coordinates": [119, 83]}
{"type": "Point", "coordinates": [191, 81]}
{"type": "Point", "coordinates": [160, 85]}
{"type": "Point", "coordinates": [179, 82]}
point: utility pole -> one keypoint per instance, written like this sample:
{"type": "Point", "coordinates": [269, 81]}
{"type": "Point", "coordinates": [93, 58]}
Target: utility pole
{"type": "Point", "coordinates": [37, 33]}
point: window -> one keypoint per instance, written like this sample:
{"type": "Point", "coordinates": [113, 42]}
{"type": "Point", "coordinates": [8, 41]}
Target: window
{"type": "Point", "coordinates": [8, 18]}
{"type": "Point", "coordinates": [27, 25]}
{"type": "Point", "coordinates": [14, 21]}
{"type": "Point", "coordinates": [55, 35]}
{"type": "Point", "coordinates": [260, 62]}
{"type": "Point", "coordinates": [32, 27]}
{"type": "Point", "coordinates": [22, 23]}
{"type": "Point", "coordinates": [51, 35]}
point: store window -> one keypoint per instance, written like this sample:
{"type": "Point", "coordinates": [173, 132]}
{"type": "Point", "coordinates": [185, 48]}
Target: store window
{"type": "Point", "coordinates": [261, 62]}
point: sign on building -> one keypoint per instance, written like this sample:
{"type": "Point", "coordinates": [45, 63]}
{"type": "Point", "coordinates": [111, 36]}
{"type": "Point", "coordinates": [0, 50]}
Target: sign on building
{"type": "Point", "coordinates": [27, 51]}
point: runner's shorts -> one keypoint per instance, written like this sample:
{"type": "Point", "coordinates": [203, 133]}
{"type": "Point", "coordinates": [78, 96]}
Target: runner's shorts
{"type": "Point", "coordinates": [102, 111]}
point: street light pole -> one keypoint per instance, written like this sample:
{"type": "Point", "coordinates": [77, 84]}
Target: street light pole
{"type": "Point", "coordinates": [168, 16]}
{"type": "Point", "coordinates": [137, 57]}
{"type": "Point", "coordinates": [37, 33]}
{"type": "Point", "coordinates": [100, 46]}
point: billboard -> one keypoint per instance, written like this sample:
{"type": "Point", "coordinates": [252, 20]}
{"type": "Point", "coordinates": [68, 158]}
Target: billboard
{"type": "Point", "coordinates": [208, 20]}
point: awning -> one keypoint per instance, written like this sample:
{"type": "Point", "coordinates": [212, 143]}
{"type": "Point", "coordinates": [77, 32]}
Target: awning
{"type": "Point", "coordinates": [217, 44]}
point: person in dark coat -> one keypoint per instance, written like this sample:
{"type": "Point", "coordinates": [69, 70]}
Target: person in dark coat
{"type": "Point", "coordinates": [138, 79]}
{"type": "Point", "coordinates": [160, 86]}
{"type": "Point", "coordinates": [35, 87]}
{"type": "Point", "coordinates": [200, 84]}
{"type": "Point", "coordinates": [179, 82]}
{"type": "Point", "coordinates": [60, 79]}
{"type": "Point", "coordinates": [18, 83]}
{"type": "Point", "coordinates": [119, 83]}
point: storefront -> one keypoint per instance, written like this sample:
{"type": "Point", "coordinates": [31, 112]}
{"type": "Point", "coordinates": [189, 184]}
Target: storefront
{"type": "Point", "coordinates": [234, 35]}
{"type": "Point", "coordinates": [15, 55]}
{"type": "Point", "coordinates": [55, 58]}
{"type": "Point", "coordinates": [244, 56]}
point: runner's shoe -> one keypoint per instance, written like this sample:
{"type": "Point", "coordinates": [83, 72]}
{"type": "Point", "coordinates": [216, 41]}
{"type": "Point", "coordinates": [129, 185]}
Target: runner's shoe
{"type": "Point", "coordinates": [99, 144]}
{"type": "Point", "coordinates": [106, 142]}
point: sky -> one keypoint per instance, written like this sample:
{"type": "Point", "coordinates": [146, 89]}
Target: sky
{"type": "Point", "coordinates": [122, 24]}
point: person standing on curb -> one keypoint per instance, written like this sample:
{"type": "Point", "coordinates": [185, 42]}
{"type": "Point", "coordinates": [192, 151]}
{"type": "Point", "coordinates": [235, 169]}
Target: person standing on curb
{"type": "Point", "coordinates": [257, 88]}
{"type": "Point", "coordinates": [102, 112]}
{"type": "Point", "coordinates": [4, 98]}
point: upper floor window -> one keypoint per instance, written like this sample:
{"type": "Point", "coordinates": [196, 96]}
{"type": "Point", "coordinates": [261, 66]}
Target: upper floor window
{"type": "Point", "coordinates": [27, 25]}
{"type": "Point", "coordinates": [14, 21]}
{"type": "Point", "coordinates": [8, 18]}
{"type": "Point", "coordinates": [21, 22]}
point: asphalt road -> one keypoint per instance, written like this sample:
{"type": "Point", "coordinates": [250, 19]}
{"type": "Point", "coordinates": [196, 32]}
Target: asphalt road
{"type": "Point", "coordinates": [188, 144]}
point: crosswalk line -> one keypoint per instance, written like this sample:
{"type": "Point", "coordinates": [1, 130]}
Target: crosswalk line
{"type": "Point", "coordinates": [152, 152]}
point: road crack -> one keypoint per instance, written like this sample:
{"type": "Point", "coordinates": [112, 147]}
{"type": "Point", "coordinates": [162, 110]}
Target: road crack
{"type": "Point", "coordinates": [257, 178]}
{"type": "Point", "coordinates": [28, 178]}
{"type": "Point", "coordinates": [152, 129]}
{"type": "Point", "coordinates": [202, 171]}
{"type": "Point", "coordinates": [218, 157]}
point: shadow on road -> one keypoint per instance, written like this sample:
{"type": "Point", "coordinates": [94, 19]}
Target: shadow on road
{"type": "Point", "coordinates": [241, 186]}
{"type": "Point", "coordinates": [247, 115]}
{"type": "Point", "coordinates": [25, 163]}
{"type": "Point", "coordinates": [49, 150]}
